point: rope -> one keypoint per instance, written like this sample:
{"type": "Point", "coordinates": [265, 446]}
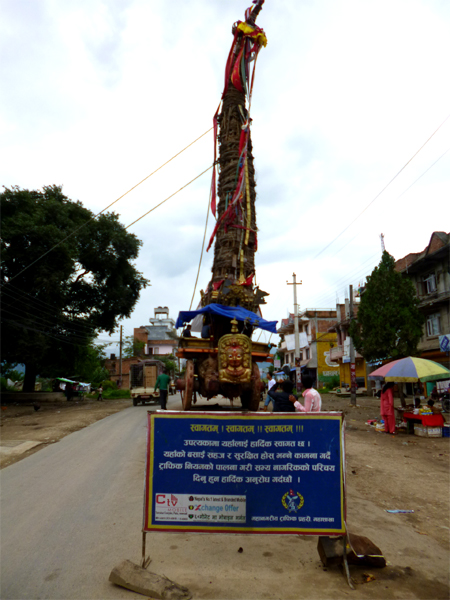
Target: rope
{"type": "Point", "coordinates": [201, 253]}
{"type": "Point", "coordinates": [168, 197]}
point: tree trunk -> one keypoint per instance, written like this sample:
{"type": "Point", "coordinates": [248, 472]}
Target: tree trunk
{"type": "Point", "coordinates": [29, 380]}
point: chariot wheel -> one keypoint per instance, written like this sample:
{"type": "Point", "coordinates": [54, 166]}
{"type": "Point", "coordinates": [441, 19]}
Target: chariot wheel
{"type": "Point", "coordinates": [188, 392]}
{"type": "Point", "coordinates": [250, 399]}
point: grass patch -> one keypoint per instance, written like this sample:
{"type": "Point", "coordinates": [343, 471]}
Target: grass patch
{"type": "Point", "coordinates": [112, 394]}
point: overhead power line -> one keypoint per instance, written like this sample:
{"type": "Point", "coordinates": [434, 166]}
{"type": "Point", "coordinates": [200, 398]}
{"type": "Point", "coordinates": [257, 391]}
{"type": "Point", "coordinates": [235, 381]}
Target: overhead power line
{"type": "Point", "coordinates": [109, 206]}
{"type": "Point", "coordinates": [343, 282]}
{"type": "Point", "coordinates": [385, 187]}
{"type": "Point", "coordinates": [169, 197]}
{"type": "Point", "coordinates": [22, 305]}
{"type": "Point", "coordinates": [46, 333]}
{"type": "Point", "coordinates": [398, 198]}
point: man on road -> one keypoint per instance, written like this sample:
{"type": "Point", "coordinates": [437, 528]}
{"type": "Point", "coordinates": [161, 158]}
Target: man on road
{"type": "Point", "coordinates": [162, 383]}
{"type": "Point", "coordinates": [270, 383]}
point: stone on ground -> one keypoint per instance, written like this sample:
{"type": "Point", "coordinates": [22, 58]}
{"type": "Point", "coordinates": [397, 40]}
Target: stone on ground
{"type": "Point", "coordinates": [361, 551]}
{"type": "Point", "coordinates": [137, 579]}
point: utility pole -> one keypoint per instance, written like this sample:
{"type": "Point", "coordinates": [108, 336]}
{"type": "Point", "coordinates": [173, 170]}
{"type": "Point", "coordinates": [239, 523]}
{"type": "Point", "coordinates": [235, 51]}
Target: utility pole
{"type": "Point", "coordinates": [120, 359]}
{"type": "Point", "coordinates": [352, 357]}
{"type": "Point", "coordinates": [296, 333]}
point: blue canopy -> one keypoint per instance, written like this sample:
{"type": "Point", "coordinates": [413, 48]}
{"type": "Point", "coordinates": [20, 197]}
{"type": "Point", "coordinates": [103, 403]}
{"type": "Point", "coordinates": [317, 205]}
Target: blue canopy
{"type": "Point", "coordinates": [232, 312]}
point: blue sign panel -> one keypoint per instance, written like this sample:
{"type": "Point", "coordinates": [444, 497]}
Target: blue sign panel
{"type": "Point", "coordinates": [444, 343]}
{"type": "Point", "coordinates": [259, 473]}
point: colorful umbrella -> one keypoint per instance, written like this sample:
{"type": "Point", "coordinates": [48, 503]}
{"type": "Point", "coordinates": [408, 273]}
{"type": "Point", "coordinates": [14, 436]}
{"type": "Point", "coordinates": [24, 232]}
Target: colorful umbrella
{"type": "Point", "coordinates": [411, 369]}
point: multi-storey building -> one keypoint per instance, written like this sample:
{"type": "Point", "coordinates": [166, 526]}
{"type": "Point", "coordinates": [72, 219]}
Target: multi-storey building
{"type": "Point", "coordinates": [159, 339]}
{"type": "Point", "coordinates": [160, 336]}
{"type": "Point", "coordinates": [340, 353]}
{"type": "Point", "coordinates": [316, 342]}
{"type": "Point", "coordinates": [429, 271]}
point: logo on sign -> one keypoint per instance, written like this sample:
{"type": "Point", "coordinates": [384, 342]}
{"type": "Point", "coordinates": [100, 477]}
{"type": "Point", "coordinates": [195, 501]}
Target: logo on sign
{"type": "Point", "coordinates": [166, 499]}
{"type": "Point", "coordinates": [292, 501]}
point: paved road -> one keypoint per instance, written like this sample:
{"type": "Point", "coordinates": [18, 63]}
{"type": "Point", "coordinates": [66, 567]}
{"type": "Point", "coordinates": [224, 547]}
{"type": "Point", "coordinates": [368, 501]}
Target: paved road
{"type": "Point", "coordinates": [72, 511]}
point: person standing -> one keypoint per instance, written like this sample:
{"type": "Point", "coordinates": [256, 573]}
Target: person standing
{"type": "Point", "coordinates": [281, 401]}
{"type": "Point", "coordinates": [162, 383]}
{"type": "Point", "coordinates": [100, 393]}
{"type": "Point", "coordinates": [387, 407]}
{"type": "Point", "coordinates": [270, 383]}
{"type": "Point", "coordinates": [313, 400]}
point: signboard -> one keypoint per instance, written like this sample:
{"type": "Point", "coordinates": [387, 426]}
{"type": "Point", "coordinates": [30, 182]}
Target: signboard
{"type": "Point", "coordinates": [444, 343]}
{"type": "Point", "coordinates": [242, 473]}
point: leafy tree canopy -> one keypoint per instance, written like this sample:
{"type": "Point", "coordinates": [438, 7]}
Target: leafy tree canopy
{"type": "Point", "coordinates": [90, 364]}
{"type": "Point", "coordinates": [132, 347]}
{"type": "Point", "coordinates": [388, 323]}
{"type": "Point", "coordinates": [56, 300]}
{"type": "Point", "coordinates": [169, 362]}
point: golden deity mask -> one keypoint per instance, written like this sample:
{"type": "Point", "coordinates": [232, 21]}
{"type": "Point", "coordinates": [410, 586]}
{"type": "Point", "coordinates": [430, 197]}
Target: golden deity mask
{"type": "Point", "coordinates": [235, 357]}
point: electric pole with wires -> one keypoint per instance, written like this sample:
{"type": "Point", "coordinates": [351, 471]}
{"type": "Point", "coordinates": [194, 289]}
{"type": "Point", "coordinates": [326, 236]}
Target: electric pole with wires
{"type": "Point", "coordinates": [296, 332]}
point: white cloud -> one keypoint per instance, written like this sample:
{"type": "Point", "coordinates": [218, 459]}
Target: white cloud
{"type": "Point", "coordinates": [97, 94]}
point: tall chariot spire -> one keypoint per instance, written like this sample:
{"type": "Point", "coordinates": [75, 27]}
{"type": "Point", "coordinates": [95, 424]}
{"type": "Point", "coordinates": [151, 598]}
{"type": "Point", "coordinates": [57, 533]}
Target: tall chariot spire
{"type": "Point", "coordinates": [235, 235]}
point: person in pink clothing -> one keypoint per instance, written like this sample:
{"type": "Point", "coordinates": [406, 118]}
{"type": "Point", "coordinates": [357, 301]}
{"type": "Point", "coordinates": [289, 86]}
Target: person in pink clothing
{"type": "Point", "coordinates": [313, 401]}
{"type": "Point", "coordinates": [387, 407]}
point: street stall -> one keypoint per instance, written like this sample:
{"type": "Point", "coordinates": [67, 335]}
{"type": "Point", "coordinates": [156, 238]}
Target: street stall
{"type": "Point", "coordinates": [422, 421]}
{"type": "Point", "coordinates": [429, 424]}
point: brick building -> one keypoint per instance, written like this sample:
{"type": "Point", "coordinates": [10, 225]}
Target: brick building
{"type": "Point", "coordinates": [113, 366]}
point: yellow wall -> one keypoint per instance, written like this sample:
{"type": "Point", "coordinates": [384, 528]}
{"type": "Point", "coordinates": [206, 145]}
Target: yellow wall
{"type": "Point", "coordinates": [360, 367]}
{"type": "Point", "coordinates": [326, 369]}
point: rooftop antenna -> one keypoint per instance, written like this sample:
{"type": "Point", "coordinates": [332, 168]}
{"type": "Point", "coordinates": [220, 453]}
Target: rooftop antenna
{"type": "Point", "coordinates": [383, 247]}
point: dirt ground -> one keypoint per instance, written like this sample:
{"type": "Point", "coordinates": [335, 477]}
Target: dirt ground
{"type": "Point", "coordinates": [388, 472]}
{"type": "Point", "coordinates": [53, 421]}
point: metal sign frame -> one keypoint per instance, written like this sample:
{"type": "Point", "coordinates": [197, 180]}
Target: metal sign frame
{"type": "Point", "coordinates": [276, 473]}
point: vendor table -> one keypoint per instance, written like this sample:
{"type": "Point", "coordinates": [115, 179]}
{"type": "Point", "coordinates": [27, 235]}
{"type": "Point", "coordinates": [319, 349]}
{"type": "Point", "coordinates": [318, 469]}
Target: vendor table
{"type": "Point", "coordinates": [426, 420]}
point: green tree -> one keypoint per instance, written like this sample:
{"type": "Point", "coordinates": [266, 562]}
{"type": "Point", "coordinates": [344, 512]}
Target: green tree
{"type": "Point", "coordinates": [90, 364]}
{"type": "Point", "coordinates": [169, 362]}
{"type": "Point", "coordinates": [132, 347]}
{"type": "Point", "coordinates": [56, 300]}
{"type": "Point", "coordinates": [388, 324]}
{"type": "Point", "coordinates": [9, 371]}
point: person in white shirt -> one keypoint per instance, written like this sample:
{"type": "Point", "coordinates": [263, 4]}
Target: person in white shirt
{"type": "Point", "coordinates": [270, 383]}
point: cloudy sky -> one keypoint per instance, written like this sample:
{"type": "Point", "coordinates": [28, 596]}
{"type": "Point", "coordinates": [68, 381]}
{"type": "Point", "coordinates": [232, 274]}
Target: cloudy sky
{"type": "Point", "coordinates": [97, 94]}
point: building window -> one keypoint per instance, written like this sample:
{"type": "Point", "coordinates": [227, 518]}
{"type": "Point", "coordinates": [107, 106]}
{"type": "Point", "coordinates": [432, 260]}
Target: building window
{"type": "Point", "coordinates": [433, 324]}
{"type": "Point", "coordinates": [301, 355]}
{"type": "Point", "coordinates": [307, 353]}
{"type": "Point", "coordinates": [429, 283]}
